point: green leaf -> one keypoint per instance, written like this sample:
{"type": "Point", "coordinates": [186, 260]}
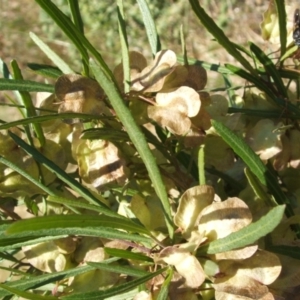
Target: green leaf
{"type": "Point", "coordinates": [36, 225]}
{"type": "Point", "coordinates": [40, 280]}
{"type": "Point", "coordinates": [127, 254]}
{"type": "Point", "coordinates": [289, 73]}
{"type": "Point", "coordinates": [254, 163]}
{"type": "Point", "coordinates": [4, 70]}
{"type": "Point", "coordinates": [54, 116]}
{"type": "Point", "coordinates": [26, 295]}
{"type": "Point", "coordinates": [10, 257]}
{"type": "Point", "coordinates": [124, 46]}
{"type": "Point", "coordinates": [243, 50]}
{"type": "Point", "coordinates": [164, 290]}
{"type": "Point", "coordinates": [183, 46]}
{"type": "Point", "coordinates": [150, 27]}
{"type": "Point", "coordinates": [61, 174]}
{"type": "Point", "coordinates": [205, 65]}
{"type": "Point", "coordinates": [29, 107]}
{"type": "Point", "coordinates": [13, 270]}
{"type": "Point", "coordinates": [138, 139]}
{"type": "Point", "coordinates": [291, 251]}
{"type": "Point", "coordinates": [247, 235]}
{"type": "Point", "coordinates": [6, 75]}
{"type": "Point", "coordinates": [74, 34]}
{"type": "Point", "coordinates": [270, 69]}
{"type": "Point", "coordinates": [293, 110]}
{"type": "Point", "coordinates": [76, 16]}
{"type": "Point", "coordinates": [55, 58]}
{"type": "Point", "coordinates": [25, 85]}
{"type": "Point", "coordinates": [8, 243]}
{"type": "Point", "coordinates": [252, 78]}
{"type": "Point", "coordinates": [98, 295]}
{"type": "Point", "coordinates": [258, 189]}
{"type": "Point", "coordinates": [101, 232]}
{"type": "Point", "coordinates": [14, 167]}
{"type": "Point", "coordinates": [108, 134]}
{"type": "Point", "coordinates": [77, 20]}
{"type": "Point", "coordinates": [242, 150]}
{"type": "Point", "coordinates": [274, 114]}
{"type": "Point", "coordinates": [45, 70]}
{"type": "Point", "coordinates": [65, 24]}
{"type": "Point", "coordinates": [130, 271]}
{"type": "Point", "coordinates": [219, 35]}
{"type": "Point", "coordinates": [280, 5]}
{"type": "Point", "coordinates": [290, 51]}
{"type": "Point", "coordinates": [76, 186]}
{"type": "Point", "coordinates": [74, 203]}
{"type": "Point", "coordinates": [230, 90]}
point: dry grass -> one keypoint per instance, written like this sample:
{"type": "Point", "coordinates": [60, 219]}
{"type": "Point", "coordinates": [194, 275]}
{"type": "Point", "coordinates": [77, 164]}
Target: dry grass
{"type": "Point", "coordinates": [240, 22]}
{"type": "Point", "coordinates": [239, 19]}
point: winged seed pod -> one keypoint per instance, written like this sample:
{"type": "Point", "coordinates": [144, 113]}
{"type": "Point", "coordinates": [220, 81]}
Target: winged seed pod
{"type": "Point", "coordinates": [162, 74]}
{"type": "Point", "coordinates": [152, 78]}
{"type": "Point", "coordinates": [191, 203]}
{"type": "Point", "coordinates": [12, 184]}
{"type": "Point", "coordinates": [137, 62]}
{"type": "Point", "coordinates": [100, 163]}
{"type": "Point", "coordinates": [174, 109]}
{"type": "Point", "coordinates": [270, 25]}
{"type": "Point", "coordinates": [185, 263]}
{"type": "Point", "coordinates": [79, 94]}
{"type": "Point", "coordinates": [242, 279]}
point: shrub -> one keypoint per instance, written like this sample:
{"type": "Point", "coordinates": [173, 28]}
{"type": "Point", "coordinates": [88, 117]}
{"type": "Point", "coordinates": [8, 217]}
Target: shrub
{"type": "Point", "coordinates": [141, 184]}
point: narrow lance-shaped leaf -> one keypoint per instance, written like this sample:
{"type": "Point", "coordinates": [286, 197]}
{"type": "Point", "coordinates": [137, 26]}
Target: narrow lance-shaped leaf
{"type": "Point", "coordinates": [69, 221]}
{"type": "Point", "coordinates": [124, 46]}
{"type": "Point", "coordinates": [126, 254]}
{"type": "Point", "coordinates": [270, 69]}
{"type": "Point", "coordinates": [74, 203]}
{"type": "Point", "coordinates": [76, 16]}
{"type": "Point", "coordinates": [26, 295]}
{"type": "Point", "coordinates": [4, 70]}
{"type": "Point", "coordinates": [45, 70]}
{"type": "Point", "coordinates": [101, 232]}
{"type": "Point", "coordinates": [249, 77]}
{"type": "Point", "coordinates": [98, 295]}
{"type": "Point", "coordinates": [280, 5]}
{"type": "Point", "coordinates": [81, 190]}
{"type": "Point", "coordinates": [291, 251]}
{"type": "Point", "coordinates": [258, 189]}
{"type": "Point", "coordinates": [220, 36]}
{"type": "Point", "coordinates": [29, 107]}
{"type": "Point", "coordinates": [137, 138]}
{"type": "Point", "coordinates": [230, 90]}
{"type": "Point", "coordinates": [40, 280]}
{"type": "Point", "coordinates": [211, 67]}
{"type": "Point", "coordinates": [45, 118]}
{"type": "Point", "coordinates": [254, 163]}
{"type": "Point", "coordinates": [247, 235]}
{"type": "Point", "coordinates": [286, 105]}
{"type": "Point", "coordinates": [77, 37]}
{"type": "Point", "coordinates": [6, 75]}
{"type": "Point", "coordinates": [8, 243]}
{"type": "Point", "coordinates": [65, 24]}
{"type": "Point", "coordinates": [164, 291]}
{"type": "Point", "coordinates": [25, 85]}
{"type": "Point", "coordinates": [55, 58]}
{"type": "Point", "coordinates": [150, 27]}
{"type": "Point", "coordinates": [119, 269]}
{"type": "Point", "coordinates": [75, 185]}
